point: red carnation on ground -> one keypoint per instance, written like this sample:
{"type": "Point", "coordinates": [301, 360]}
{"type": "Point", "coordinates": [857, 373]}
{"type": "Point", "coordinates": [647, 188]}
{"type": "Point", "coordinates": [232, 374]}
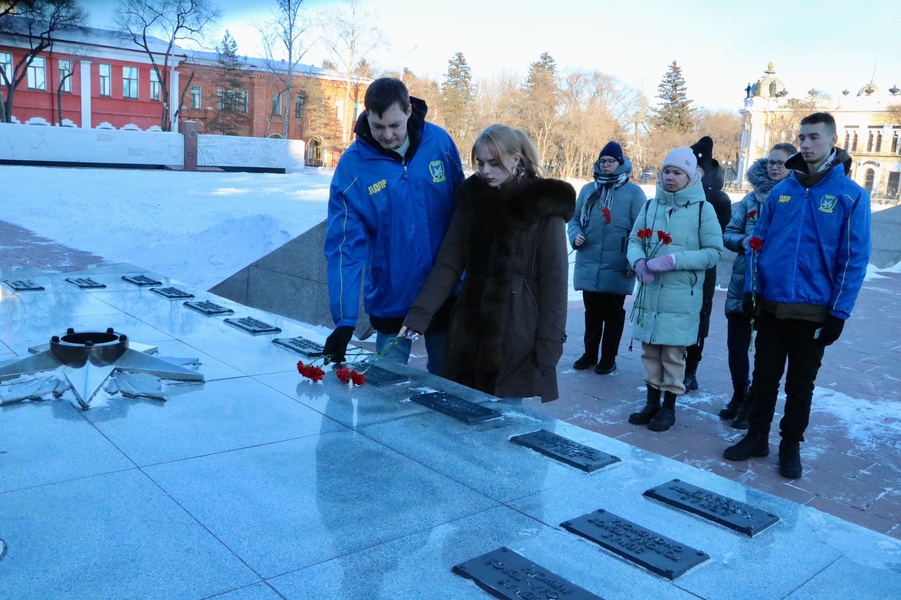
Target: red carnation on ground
{"type": "Point", "coordinates": [343, 374]}
{"type": "Point", "coordinates": [357, 378]}
{"type": "Point", "coordinates": [755, 244]}
{"type": "Point", "coordinates": [606, 212]}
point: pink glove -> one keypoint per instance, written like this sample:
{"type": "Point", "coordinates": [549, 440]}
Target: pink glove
{"type": "Point", "coordinates": [641, 268]}
{"type": "Point", "coordinates": [662, 263]}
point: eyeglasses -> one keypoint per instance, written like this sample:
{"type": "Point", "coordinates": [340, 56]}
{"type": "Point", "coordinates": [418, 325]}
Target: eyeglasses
{"type": "Point", "coordinates": [775, 163]}
{"type": "Point", "coordinates": [607, 161]}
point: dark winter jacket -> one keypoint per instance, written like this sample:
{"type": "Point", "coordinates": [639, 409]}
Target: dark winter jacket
{"type": "Point", "coordinates": [815, 235]}
{"type": "Point", "coordinates": [387, 215]}
{"type": "Point", "coordinates": [722, 205]}
{"type": "Point", "coordinates": [508, 324]}
{"type": "Point", "coordinates": [740, 229]}
{"type": "Point", "coordinates": [601, 263]}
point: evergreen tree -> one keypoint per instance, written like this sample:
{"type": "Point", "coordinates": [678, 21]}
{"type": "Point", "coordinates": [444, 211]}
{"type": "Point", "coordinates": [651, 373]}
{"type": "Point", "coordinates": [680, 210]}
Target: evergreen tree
{"type": "Point", "coordinates": [674, 112]}
{"type": "Point", "coordinates": [540, 108]}
{"type": "Point", "coordinates": [231, 90]}
{"type": "Point", "coordinates": [457, 96]}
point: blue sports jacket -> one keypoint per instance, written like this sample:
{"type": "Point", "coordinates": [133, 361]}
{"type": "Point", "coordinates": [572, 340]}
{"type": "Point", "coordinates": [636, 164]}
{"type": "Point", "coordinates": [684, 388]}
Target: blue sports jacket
{"type": "Point", "coordinates": [387, 216]}
{"type": "Point", "coordinates": [816, 243]}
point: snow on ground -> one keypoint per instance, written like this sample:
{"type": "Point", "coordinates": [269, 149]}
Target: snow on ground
{"type": "Point", "coordinates": [199, 228]}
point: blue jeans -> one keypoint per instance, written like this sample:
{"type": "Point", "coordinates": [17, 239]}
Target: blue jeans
{"type": "Point", "coordinates": [435, 347]}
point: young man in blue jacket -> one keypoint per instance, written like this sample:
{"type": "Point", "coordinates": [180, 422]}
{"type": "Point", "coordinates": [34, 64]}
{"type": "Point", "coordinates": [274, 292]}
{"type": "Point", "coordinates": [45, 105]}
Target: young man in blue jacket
{"type": "Point", "coordinates": [808, 260]}
{"type": "Point", "coordinates": [390, 203]}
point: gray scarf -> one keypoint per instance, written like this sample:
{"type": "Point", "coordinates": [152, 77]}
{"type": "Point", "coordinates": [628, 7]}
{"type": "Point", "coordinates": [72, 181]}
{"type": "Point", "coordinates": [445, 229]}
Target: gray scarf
{"type": "Point", "coordinates": [605, 186]}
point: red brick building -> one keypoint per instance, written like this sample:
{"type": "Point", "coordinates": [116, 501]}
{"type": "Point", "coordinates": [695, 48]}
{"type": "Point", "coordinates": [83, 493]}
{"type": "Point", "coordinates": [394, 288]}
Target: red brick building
{"type": "Point", "coordinates": [94, 76]}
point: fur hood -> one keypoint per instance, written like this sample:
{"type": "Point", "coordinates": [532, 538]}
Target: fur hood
{"type": "Point", "coordinates": [525, 201]}
{"type": "Point", "coordinates": [759, 177]}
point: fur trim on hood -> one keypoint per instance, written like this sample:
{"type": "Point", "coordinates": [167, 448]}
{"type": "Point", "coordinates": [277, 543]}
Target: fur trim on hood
{"type": "Point", "coordinates": [759, 177]}
{"type": "Point", "coordinates": [529, 199]}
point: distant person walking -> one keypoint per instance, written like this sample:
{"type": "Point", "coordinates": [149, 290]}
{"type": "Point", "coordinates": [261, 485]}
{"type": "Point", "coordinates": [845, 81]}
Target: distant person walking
{"type": "Point", "coordinates": [763, 175]}
{"type": "Point", "coordinates": [808, 260]}
{"type": "Point", "coordinates": [390, 203]}
{"type": "Point", "coordinates": [712, 179]}
{"type": "Point", "coordinates": [508, 236]}
{"type": "Point", "coordinates": [676, 237]}
{"type": "Point", "coordinates": [606, 210]}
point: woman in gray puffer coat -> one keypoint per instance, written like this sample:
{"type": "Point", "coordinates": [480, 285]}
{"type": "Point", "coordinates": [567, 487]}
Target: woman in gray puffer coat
{"type": "Point", "coordinates": [606, 209]}
{"type": "Point", "coordinates": [764, 174]}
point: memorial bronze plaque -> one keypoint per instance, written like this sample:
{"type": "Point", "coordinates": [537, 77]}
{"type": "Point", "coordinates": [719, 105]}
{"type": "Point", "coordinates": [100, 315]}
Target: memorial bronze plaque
{"type": "Point", "coordinates": [380, 377]}
{"type": "Point", "coordinates": [209, 308]}
{"type": "Point", "coordinates": [567, 451]}
{"type": "Point", "coordinates": [505, 574]}
{"type": "Point", "coordinates": [85, 282]}
{"type": "Point", "coordinates": [23, 285]}
{"type": "Point", "coordinates": [172, 293]}
{"type": "Point", "coordinates": [736, 515]}
{"type": "Point", "coordinates": [456, 407]}
{"type": "Point", "coordinates": [656, 553]}
{"type": "Point", "coordinates": [141, 280]}
{"type": "Point", "coordinates": [251, 325]}
{"type": "Point", "coordinates": [301, 345]}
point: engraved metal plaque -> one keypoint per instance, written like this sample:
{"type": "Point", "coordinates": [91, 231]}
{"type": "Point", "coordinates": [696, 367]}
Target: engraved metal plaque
{"type": "Point", "coordinates": [505, 574]}
{"type": "Point", "coordinates": [141, 280]}
{"type": "Point", "coordinates": [657, 553]}
{"type": "Point", "coordinates": [736, 515]}
{"type": "Point", "coordinates": [209, 308]}
{"type": "Point", "coordinates": [172, 293]}
{"type": "Point", "coordinates": [301, 345]}
{"type": "Point", "coordinates": [458, 408]}
{"type": "Point", "coordinates": [380, 377]}
{"type": "Point", "coordinates": [23, 285]}
{"type": "Point", "coordinates": [85, 282]}
{"type": "Point", "coordinates": [574, 454]}
{"type": "Point", "coordinates": [251, 325]}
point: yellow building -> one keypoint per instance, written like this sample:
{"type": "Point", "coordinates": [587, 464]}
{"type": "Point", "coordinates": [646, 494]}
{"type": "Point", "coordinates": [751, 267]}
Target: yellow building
{"type": "Point", "coordinates": [868, 125]}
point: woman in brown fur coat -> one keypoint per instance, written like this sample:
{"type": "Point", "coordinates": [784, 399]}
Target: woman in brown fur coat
{"type": "Point", "coordinates": [507, 241]}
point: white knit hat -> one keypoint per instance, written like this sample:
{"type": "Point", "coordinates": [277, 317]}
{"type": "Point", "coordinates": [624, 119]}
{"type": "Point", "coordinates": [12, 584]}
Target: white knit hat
{"type": "Point", "coordinates": [683, 159]}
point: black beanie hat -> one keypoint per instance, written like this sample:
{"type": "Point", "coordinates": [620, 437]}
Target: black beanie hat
{"type": "Point", "coordinates": [613, 150]}
{"type": "Point", "coordinates": [703, 150]}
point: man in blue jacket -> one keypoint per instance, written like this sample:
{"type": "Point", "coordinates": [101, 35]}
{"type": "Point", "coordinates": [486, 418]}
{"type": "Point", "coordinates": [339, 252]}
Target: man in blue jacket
{"type": "Point", "coordinates": [390, 203]}
{"type": "Point", "coordinates": [809, 257]}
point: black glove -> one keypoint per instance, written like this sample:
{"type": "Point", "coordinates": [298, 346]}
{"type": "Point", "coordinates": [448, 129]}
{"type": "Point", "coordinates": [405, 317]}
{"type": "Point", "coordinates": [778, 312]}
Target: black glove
{"type": "Point", "coordinates": [336, 344]}
{"type": "Point", "coordinates": [829, 332]}
{"type": "Point", "coordinates": [747, 306]}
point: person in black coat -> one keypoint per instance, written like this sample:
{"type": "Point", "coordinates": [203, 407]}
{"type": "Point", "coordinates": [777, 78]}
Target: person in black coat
{"type": "Point", "coordinates": [712, 180]}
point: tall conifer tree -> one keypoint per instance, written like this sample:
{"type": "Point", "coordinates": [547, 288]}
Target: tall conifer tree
{"type": "Point", "coordinates": [231, 90]}
{"type": "Point", "coordinates": [674, 112]}
{"type": "Point", "coordinates": [457, 96]}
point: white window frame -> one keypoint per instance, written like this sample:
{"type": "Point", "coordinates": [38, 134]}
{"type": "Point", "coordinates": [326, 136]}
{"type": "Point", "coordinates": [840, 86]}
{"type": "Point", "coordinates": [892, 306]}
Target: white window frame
{"type": "Point", "coordinates": [106, 80]}
{"type": "Point", "coordinates": [6, 64]}
{"type": "Point", "coordinates": [155, 87]}
{"type": "Point", "coordinates": [65, 68]}
{"type": "Point", "coordinates": [196, 97]}
{"type": "Point", "coordinates": [130, 84]}
{"type": "Point", "coordinates": [37, 79]}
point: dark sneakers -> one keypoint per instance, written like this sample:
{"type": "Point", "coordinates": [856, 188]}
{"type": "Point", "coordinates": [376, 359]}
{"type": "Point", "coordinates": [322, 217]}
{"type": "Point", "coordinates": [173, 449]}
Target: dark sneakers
{"type": "Point", "coordinates": [605, 368]}
{"type": "Point", "coordinates": [790, 459]}
{"type": "Point", "coordinates": [753, 444]}
{"type": "Point", "coordinates": [585, 362]}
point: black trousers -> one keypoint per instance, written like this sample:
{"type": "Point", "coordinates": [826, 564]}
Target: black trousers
{"type": "Point", "coordinates": [738, 341]}
{"type": "Point", "coordinates": [695, 352]}
{"type": "Point", "coordinates": [778, 341]}
{"type": "Point", "coordinates": [605, 319]}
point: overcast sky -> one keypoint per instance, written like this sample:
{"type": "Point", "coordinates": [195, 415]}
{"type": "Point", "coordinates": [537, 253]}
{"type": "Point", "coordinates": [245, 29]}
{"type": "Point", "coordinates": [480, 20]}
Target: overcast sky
{"type": "Point", "coordinates": [721, 46]}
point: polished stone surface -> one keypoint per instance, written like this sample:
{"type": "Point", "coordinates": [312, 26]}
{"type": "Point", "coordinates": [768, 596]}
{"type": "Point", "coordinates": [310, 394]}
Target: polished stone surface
{"type": "Point", "coordinates": [257, 484]}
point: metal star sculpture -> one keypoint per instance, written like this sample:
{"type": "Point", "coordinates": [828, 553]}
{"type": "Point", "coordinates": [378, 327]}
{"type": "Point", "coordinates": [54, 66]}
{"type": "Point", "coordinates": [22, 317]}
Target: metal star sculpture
{"type": "Point", "coordinates": [88, 359]}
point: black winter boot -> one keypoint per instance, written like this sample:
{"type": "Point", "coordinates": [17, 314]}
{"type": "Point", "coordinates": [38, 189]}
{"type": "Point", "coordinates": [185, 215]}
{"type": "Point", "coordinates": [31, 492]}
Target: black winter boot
{"type": "Point", "coordinates": [586, 361]}
{"type": "Point", "coordinates": [790, 459]}
{"type": "Point", "coordinates": [651, 408]}
{"type": "Point", "coordinates": [753, 444]}
{"type": "Point", "coordinates": [741, 417]}
{"type": "Point", "coordinates": [691, 381]}
{"type": "Point", "coordinates": [739, 395]}
{"type": "Point", "coordinates": [666, 418]}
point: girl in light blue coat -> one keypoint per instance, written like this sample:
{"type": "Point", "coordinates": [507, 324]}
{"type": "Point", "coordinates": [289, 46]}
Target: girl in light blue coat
{"type": "Point", "coordinates": [676, 238]}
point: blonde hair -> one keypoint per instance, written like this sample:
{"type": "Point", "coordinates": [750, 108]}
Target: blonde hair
{"type": "Point", "coordinates": [502, 141]}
